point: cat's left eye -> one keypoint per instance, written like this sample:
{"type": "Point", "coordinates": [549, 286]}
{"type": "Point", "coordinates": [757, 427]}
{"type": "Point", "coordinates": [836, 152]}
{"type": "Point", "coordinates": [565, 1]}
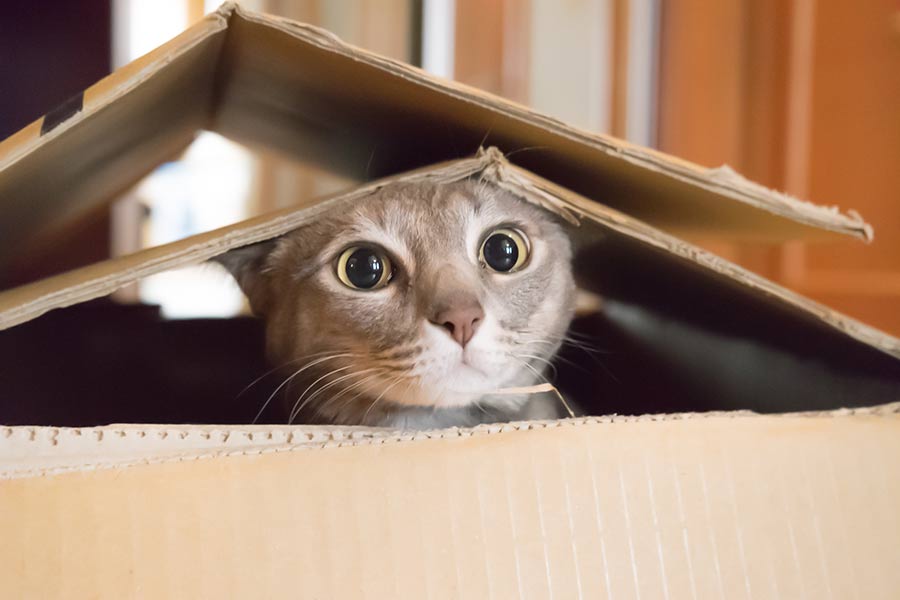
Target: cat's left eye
{"type": "Point", "coordinates": [504, 250]}
{"type": "Point", "coordinates": [364, 268]}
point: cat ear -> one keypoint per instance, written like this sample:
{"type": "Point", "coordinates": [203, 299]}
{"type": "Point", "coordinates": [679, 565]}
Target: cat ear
{"type": "Point", "coordinates": [247, 265]}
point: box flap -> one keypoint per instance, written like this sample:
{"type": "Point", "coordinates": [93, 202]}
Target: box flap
{"type": "Point", "coordinates": [318, 94]}
{"type": "Point", "coordinates": [274, 82]}
{"type": "Point", "coordinates": [792, 506]}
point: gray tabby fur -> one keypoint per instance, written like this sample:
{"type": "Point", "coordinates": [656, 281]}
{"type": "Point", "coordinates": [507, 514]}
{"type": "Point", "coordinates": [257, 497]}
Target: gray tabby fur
{"type": "Point", "coordinates": [373, 357]}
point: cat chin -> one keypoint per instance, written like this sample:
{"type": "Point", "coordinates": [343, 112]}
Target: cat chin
{"type": "Point", "coordinates": [462, 387]}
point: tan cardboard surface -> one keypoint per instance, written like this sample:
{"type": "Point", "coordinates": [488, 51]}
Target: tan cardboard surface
{"type": "Point", "coordinates": [272, 82]}
{"type": "Point", "coordinates": [800, 506]}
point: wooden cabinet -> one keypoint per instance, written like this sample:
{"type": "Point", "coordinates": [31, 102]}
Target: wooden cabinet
{"type": "Point", "coordinates": [801, 96]}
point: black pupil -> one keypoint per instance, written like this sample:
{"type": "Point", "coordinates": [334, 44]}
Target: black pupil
{"type": "Point", "coordinates": [501, 252]}
{"type": "Point", "coordinates": [364, 268]}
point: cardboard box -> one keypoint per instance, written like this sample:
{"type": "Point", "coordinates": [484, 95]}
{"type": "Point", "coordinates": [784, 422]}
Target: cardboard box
{"type": "Point", "coordinates": [728, 503]}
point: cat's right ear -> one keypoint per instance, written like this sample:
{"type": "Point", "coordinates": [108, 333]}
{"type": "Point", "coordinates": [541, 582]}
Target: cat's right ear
{"type": "Point", "coordinates": [247, 265]}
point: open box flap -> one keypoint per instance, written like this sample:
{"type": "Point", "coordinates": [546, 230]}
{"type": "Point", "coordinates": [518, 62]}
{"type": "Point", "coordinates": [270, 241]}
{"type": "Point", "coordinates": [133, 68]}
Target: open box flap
{"type": "Point", "coordinates": [441, 118]}
{"type": "Point", "coordinates": [30, 301]}
{"type": "Point", "coordinates": [791, 506]}
{"type": "Point", "coordinates": [281, 84]}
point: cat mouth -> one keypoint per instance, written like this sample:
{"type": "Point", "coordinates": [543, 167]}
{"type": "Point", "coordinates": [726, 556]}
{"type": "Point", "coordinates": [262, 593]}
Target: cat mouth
{"type": "Point", "coordinates": [467, 380]}
{"type": "Point", "coordinates": [466, 366]}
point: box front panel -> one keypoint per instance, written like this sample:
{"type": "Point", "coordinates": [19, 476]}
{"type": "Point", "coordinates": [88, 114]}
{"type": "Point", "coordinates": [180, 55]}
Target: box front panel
{"type": "Point", "coordinates": [708, 507]}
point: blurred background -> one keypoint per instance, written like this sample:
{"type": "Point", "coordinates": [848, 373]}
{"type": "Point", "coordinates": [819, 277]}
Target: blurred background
{"type": "Point", "coordinates": [799, 95]}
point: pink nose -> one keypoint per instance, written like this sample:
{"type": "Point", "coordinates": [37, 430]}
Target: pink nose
{"type": "Point", "coordinates": [460, 320]}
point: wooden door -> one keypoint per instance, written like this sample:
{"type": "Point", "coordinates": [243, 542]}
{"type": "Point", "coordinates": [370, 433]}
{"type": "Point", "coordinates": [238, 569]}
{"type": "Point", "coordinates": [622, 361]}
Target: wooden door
{"type": "Point", "coordinates": [802, 96]}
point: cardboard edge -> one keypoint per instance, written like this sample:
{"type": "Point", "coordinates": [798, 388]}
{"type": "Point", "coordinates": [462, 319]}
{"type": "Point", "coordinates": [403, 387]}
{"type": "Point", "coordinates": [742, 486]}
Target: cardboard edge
{"type": "Point", "coordinates": [721, 180]}
{"type": "Point", "coordinates": [47, 447]}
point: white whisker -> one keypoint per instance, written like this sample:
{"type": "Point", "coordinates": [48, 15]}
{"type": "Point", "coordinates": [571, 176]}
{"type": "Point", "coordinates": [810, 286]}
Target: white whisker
{"type": "Point", "coordinates": [541, 359]}
{"type": "Point", "coordinates": [333, 383]}
{"type": "Point", "coordinates": [380, 396]}
{"type": "Point", "coordinates": [297, 406]}
{"type": "Point", "coordinates": [295, 373]}
{"type": "Point", "coordinates": [274, 369]}
{"type": "Point", "coordinates": [349, 388]}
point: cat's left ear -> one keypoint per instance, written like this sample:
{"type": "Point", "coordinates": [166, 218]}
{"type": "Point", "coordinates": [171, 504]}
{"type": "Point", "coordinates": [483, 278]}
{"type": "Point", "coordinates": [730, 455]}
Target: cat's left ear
{"type": "Point", "coordinates": [247, 265]}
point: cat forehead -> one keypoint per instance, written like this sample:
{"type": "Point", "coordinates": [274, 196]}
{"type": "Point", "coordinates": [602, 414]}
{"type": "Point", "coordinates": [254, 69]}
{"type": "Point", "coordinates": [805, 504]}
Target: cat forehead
{"type": "Point", "coordinates": [435, 207]}
{"type": "Point", "coordinates": [406, 217]}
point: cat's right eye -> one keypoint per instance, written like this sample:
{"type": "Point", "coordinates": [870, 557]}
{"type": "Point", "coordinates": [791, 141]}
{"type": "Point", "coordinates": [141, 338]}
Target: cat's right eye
{"type": "Point", "coordinates": [364, 268]}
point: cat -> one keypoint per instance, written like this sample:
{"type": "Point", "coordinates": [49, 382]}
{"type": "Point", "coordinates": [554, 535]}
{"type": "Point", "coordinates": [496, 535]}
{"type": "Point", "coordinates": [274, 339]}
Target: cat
{"type": "Point", "coordinates": [409, 307]}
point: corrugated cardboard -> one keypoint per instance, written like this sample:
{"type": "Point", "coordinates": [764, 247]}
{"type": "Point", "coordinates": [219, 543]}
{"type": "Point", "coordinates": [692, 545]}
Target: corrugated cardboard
{"type": "Point", "coordinates": [724, 504]}
{"type": "Point", "coordinates": [721, 506]}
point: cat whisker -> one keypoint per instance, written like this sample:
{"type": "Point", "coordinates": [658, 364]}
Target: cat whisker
{"type": "Point", "coordinates": [380, 396]}
{"type": "Point", "coordinates": [525, 149]}
{"type": "Point", "coordinates": [364, 382]}
{"type": "Point", "coordinates": [263, 376]}
{"type": "Point", "coordinates": [541, 359]}
{"type": "Point", "coordinates": [275, 369]}
{"type": "Point", "coordinates": [592, 354]}
{"type": "Point", "coordinates": [587, 345]}
{"type": "Point", "coordinates": [396, 353]}
{"type": "Point", "coordinates": [571, 336]}
{"type": "Point", "coordinates": [591, 351]}
{"type": "Point", "coordinates": [480, 407]}
{"type": "Point", "coordinates": [566, 340]}
{"type": "Point", "coordinates": [558, 358]}
{"type": "Point", "coordinates": [292, 376]}
{"type": "Point", "coordinates": [528, 366]}
{"type": "Point", "coordinates": [295, 410]}
{"type": "Point", "coordinates": [332, 384]}
{"type": "Point", "coordinates": [369, 163]}
{"type": "Point", "coordinates": [351, 387]}
{"type": "Point", "coordinates": [551, 343]}
{"type": "Point", "coordinates": [486, 134]}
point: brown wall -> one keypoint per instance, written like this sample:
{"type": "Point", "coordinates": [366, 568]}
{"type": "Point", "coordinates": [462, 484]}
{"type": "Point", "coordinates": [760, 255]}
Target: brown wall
{"type": "Point", "coordinates": [802, 96]}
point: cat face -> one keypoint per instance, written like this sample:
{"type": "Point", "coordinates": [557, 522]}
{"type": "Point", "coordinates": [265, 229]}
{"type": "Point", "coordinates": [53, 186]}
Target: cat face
{"type": "Point", "coordinates": [418, 296]}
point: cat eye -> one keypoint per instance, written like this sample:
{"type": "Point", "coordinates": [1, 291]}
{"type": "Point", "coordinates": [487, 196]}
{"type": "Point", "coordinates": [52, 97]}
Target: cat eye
{"type": "Point", "coordinates": [504, 250]}
{"type": "Point", "coordinates": [364, 268]}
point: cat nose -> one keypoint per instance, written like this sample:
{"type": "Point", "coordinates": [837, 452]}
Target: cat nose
{"type": "Point", "coordinates": [461, 320]}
